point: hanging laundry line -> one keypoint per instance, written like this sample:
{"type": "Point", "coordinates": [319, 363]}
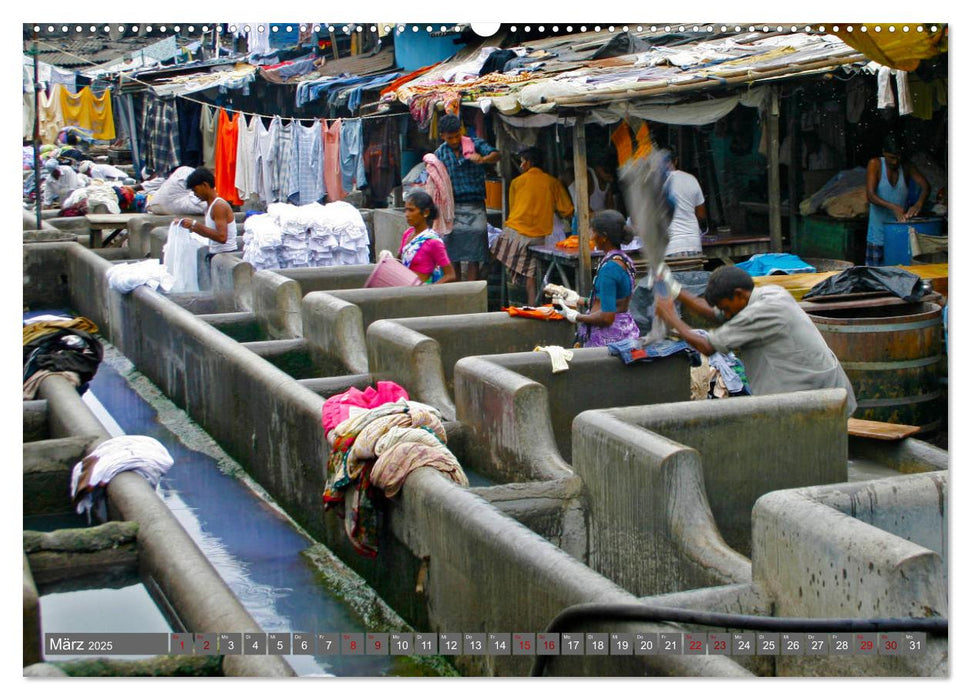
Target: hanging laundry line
{"type": "Point", "coordinates": [151, 89]}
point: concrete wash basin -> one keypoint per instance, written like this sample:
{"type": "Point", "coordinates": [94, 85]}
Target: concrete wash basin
{"type": "Point", "coordinates": [658, 474]}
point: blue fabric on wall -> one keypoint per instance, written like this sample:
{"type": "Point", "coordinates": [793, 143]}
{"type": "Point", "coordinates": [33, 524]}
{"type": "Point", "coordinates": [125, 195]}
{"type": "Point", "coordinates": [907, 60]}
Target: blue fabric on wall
{"type": "Point", "coordinates": [769, 263]}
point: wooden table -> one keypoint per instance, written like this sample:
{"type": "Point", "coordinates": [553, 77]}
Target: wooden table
{"type": "Point", "coordinates": [729, 247]}
{"type": "Point", "coordinates": [549, 258]}
{"type": "Point", "coordinates": [116, 223]}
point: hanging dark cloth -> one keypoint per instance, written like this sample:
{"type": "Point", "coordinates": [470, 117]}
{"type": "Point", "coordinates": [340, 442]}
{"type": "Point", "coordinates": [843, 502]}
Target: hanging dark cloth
{"type": "Point", "coordinates": [382, 158]}
{"type": "Point", "coordinates": [497, 61]}
{"type": "Point", "coordinates": [160, 134]}
{"type": "Point", "coordinates": [190, 132]}
{"type": "Point", "coordinates": [621, 45]}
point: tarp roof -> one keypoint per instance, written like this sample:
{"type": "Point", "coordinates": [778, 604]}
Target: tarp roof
{"type": "Point", "coordinates": [889, 45]}
{"type": "Point", "coordinates": [560, 73]}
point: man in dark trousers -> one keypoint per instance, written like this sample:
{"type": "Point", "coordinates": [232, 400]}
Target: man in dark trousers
{"type": "Point", "coordinates": [781, 348]}
{"type": "Point", "coordinates": [469, 240]}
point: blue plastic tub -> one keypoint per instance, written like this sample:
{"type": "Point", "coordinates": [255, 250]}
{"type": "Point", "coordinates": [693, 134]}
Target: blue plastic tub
{"type": "Point", "coordinates": [896, 237]}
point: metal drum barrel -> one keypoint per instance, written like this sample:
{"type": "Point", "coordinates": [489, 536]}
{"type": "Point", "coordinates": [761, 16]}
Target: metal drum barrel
{"type": "Point", "coordinates": [892, 356]}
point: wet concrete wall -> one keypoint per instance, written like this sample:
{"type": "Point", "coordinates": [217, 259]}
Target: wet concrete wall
{"type": "Point", "coordinates": [335, 322]}
{"type": "Point", "coordinates": [140, 228]}
{"type": "Point", "coordinates": [45, 282]}
{"type": "Point", "coordinates": [800, 441]}
{"type": "Point", "coordinates": [276, 303]}
{"type": "Point", "coordinates": [32, 639]}
{"type": "Point", "coordinates": [474, 551]}
{"type": "Point", "coordinates": [389, 224]}
{"type": "Point", "coordinates": [420, 353]}
{"type": "Point", "coordinates": [325, 279]}
{"type": "Point", "coordinates": [861, 550]}
{"type": "Point", "coordinates": [521, 414]}
{"type": "Point", "coordinates": [651, 526]}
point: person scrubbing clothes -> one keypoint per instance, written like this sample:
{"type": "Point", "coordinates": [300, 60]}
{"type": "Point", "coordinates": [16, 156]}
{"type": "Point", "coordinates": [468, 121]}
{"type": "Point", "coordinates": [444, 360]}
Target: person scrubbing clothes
{"type": "Point", "coordinates": [607, 319]}
{"type": "Point", "coordinates": [780, 347]}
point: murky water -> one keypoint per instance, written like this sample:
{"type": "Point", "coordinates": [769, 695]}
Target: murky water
{"type": "Point", "coordinates": [253, 547]}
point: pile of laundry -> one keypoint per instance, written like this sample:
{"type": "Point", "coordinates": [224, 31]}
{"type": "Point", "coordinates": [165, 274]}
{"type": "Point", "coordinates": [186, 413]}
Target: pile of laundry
{"type": "Point", "coordinates": [312, 235]}
{"type": "Point", "coordinates": [377, 438]}
{"type": "Point", "coordinates": [90, 477]}
{"type": "Point", "coordinates": [720, 375]}
{"type": "Point", "coordinates": [126, 277]}
{"type": "Point", "coordinates": [842, 197]}
{"type": "Point", "coordinates": [60, 345]}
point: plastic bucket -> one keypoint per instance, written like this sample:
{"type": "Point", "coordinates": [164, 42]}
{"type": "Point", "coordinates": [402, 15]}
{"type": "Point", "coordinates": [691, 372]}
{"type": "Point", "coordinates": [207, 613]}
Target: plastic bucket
{"type": "Point", "coordinates": [893, 357]}
{"type": "Point", "coordinates": [896, 237]}
{"type": "Point", "coordinates": [389, 272]}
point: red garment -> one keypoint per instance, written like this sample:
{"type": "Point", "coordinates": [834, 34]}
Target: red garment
{"type": "Point", "coordinates": [337, 408]}
{"type": "Point", "coordinates": [332, 160]}
{"type": "Point", "coordinates": [227, 131]}
{"type": "Point", "coordinates": [439, 188]}
{"type": "Point", "coordinates": [468, 147]}
{"type": "Point", "coordinates": [408, 78]}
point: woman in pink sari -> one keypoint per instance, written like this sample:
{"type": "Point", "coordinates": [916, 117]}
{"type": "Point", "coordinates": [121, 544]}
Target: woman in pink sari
{"type": "Point", "coordinates": [422, 251]}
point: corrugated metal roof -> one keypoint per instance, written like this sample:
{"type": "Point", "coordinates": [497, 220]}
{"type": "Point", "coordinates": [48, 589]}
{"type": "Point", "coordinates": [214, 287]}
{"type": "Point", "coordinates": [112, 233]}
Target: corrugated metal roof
{"type": "Point", "coordinates": [86, 51]}
{"type": "Point", "coordinates": [365, 64]}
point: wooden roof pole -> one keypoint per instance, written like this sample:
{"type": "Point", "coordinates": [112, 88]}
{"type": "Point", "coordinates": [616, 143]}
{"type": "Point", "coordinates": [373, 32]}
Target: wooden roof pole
{"type": "Point", "coordinates": [775, 189]}
{"type": "Point", "coordinates": [582, 205]}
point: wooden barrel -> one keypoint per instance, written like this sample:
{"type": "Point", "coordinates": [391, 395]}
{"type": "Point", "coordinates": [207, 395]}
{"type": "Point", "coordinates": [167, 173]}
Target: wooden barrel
{"type": "Point", "coordinates": [892, 356]}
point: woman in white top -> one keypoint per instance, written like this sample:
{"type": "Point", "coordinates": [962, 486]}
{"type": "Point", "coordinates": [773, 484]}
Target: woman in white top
{"type": "Point", "coordinates": [684, 192]}
{"type": "Point", "coordinates": [220, 223]}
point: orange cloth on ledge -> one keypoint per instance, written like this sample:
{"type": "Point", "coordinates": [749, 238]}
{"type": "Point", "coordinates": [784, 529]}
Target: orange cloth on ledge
{"type": "Point", "coordinates": [572, 243]}
{"type": "Point", "coordinates": [544, 313]}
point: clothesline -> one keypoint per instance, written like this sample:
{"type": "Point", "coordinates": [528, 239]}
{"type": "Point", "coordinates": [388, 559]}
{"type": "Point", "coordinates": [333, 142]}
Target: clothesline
{"type": "Point", "coordinates": [227, 109]}
{"type": "Point", "coordinates": [271, 116]}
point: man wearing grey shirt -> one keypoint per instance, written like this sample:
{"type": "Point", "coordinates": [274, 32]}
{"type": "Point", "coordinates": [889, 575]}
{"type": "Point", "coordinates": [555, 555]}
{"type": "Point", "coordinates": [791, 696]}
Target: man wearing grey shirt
{"type": "Point", "coordinates": [781, 348]}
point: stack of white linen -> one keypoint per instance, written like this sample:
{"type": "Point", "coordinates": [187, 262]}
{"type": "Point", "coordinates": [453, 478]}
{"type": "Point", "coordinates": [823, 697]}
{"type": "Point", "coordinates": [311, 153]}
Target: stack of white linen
{"type": "Point", "coordinates": [262, 241]}
{"type": "Point", "coordinates": [313, 235]}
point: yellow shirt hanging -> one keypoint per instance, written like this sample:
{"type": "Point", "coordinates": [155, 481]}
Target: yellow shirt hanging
{"type": "Point", "coordinates": [85, 110]}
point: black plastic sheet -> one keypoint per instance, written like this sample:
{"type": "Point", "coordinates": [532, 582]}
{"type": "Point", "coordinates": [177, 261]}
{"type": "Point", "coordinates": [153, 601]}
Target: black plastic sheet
{"type": "Point", "coordinates": [901, 283]}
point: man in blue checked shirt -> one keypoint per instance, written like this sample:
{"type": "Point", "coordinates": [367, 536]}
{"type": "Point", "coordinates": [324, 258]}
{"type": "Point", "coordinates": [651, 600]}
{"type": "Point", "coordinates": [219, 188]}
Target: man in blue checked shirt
{"type": "Point", "coordinates": [469, 239]}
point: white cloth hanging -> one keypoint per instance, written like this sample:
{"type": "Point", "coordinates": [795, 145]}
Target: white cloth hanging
{"type": "Point", "coordinates": [903, 93]}
{"type": "Point", "coordinates": [181, 254]}
{"type": "Point", "coordinates": [885, 98]}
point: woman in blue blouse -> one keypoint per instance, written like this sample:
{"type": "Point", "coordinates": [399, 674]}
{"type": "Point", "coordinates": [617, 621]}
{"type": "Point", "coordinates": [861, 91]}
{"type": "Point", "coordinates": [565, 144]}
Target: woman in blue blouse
{"type": "Point", "coordinates": [607, 319]}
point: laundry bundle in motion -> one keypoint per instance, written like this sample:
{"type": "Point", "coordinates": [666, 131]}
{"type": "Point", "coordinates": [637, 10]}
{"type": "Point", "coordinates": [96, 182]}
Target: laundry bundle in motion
{"type": "Point", "coordinates": [63, 346]}
{"type": "Point", "coordinates": [373, 451]}
{"type": "Point", "coordinates": [90, 477]}
{"type": "Point", "coordinates": [312, 235]}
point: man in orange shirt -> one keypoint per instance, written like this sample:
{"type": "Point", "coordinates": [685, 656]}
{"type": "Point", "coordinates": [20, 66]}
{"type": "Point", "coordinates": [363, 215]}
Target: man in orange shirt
{"type": "Point", "coordinates": [533, 197]}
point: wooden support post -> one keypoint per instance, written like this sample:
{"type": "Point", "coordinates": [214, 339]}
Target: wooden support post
{"type": "Point", "coordinates": [582, 205]}
{"type": "Point", "coordinates": [795, 172]}
{"type": "Point", "coordinates": [36, 136]}
{"type": "Point", "coordinates": [333, 45]}
{"type": "Point", "coordinates": [775, 194]}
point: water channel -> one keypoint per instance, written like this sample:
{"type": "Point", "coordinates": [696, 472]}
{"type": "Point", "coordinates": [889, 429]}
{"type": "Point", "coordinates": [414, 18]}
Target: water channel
{"type": "Point", "coordinates": [253, 545]}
